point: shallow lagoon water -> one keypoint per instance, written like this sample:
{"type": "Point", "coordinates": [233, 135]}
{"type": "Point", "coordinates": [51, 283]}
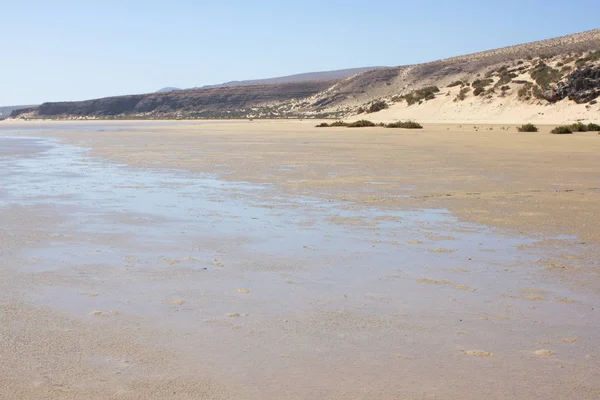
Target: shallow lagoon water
{"type": "Point", "coordinates": [157, 218]}
{"type": "Point", "coordinates": [222, 267]}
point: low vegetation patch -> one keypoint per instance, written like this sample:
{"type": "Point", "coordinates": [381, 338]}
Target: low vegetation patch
{"type": "Point", "coordinates": [481, 83]}
{"type": "Point", "coordinates": [561, 130]}
{"type": "Point", "coordinates": [528, 128]}
{"type": "Point", "coordinates": [462, 94]}
{"type": "Point", "coordinates": [593, 127]}
{"type": "Point", "coordinates": [405, 125]}
{"type": "Point", "coordinates": [593, 56]}
{"type": "Point", "coordinates": [545, 75]}
{"type": "Point", "coordinates": [529, 90]}
{"type": "Point", "coordinates": [361, 124]}
{"type": "Point", "coordinates": [505, 78]}
{"type": "Point", "coordinates": [377, 106]}
{"type": "Point", "coordinates": [333, 124]}
{"type": "Point", "coordinates": [566, 69]}
{"type": "Point", "coordinates": [339, 123]}
{"type": "Point", "coordinates": [426, 93]}
{"type": "Point", "coordinates": [579, 127]}
{"type": "Point", "coordinates": [456, 83]}
{"type": "Point", "coordinates": [538, 93]}
{"type": "Point", "coordinates": [478, 91]}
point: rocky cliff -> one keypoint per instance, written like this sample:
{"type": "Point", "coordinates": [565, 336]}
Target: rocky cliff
{"type": "Point", "coordinates": [225, 102]}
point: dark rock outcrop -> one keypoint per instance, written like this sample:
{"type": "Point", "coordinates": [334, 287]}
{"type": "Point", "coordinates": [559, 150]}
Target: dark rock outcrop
{"type": "Point", "coordinates": [582, 86]}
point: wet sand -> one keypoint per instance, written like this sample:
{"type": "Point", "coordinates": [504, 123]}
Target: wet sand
{"type": "Point", "coordinates": [275, 260]}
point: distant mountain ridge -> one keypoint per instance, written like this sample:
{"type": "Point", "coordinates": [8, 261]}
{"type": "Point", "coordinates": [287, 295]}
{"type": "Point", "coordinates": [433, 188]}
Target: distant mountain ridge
{"type": "Point", "coordinates": [304, 77]}
{"type": "Point", "coordinates": [167, 89]}
{"type": "Point", "coordinates": [5, 111]}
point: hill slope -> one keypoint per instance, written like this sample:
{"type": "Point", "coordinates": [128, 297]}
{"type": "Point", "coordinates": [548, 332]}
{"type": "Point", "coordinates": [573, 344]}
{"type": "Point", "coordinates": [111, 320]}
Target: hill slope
{"type": "Point", "coordinates": [5, 111]}
{"type": "Point", "coordinates": [557, 73]}
{"type": "Point", "coordinates": [377, 84]}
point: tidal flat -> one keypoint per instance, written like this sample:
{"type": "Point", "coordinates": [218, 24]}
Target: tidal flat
{"type": "Point", "coordinates": [271, 259]}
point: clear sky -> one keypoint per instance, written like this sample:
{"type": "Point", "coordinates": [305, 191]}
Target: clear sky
{"type": "Point", "coordinates": [79, 49]}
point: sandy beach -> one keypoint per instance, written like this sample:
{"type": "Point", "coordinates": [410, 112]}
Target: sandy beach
{"type": "Point", "coordinates": [276, 260]}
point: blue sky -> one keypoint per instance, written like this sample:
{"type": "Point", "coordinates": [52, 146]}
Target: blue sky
{"type": "Point", "coordinates": [74, 50]}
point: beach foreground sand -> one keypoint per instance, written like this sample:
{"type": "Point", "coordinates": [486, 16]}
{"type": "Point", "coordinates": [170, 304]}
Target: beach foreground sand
{"type": "Point", "coordinates": [276, 260]}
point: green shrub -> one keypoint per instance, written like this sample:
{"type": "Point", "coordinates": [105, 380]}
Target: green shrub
{"type": "Point", "coordinates": [358, 124]}
{"type": "Point", "coordinates": [462, 94]}
{"type": "Point", "coordinates": [505, 78]}
{"type": "Point", "coordinates": [339, 123]}
{"type": "Point", "coordinates": [426, 93]}
{"type": "Point", "coordinates": [527, 128]}
{"type": "Point", "coordinates": [593, 56]}
{"type": "Point", "coordinates": [537, 92]}
{"type": "Point", "coordinates": [478, 91]}
{"type": "Point", "coordinates": [525, 91]}
{"type": "Point", "coordinates": [361, 124]}
{"type": "Point", "coordinates": [377, 106]}
{"type": "Point", "coordinates": [545, 75]}
{"type": "Point", "coordinates": [405, 125]}
{"type": "Point", "coordinates": [561, 130]}
{"type": "Point", "coordinates": [593, 127]}
{"type": "Point", "coordinates": [481, 83]}
{"type": "Point", "coordinates": [579, 127]}
{"type": "Point", "coordinates": [455, 83]}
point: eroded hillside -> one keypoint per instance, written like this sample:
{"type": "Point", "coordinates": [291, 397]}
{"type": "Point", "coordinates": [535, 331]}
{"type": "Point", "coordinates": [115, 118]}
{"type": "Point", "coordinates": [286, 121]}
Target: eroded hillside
{"type": "Point", "coordinates": [563, 70]}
